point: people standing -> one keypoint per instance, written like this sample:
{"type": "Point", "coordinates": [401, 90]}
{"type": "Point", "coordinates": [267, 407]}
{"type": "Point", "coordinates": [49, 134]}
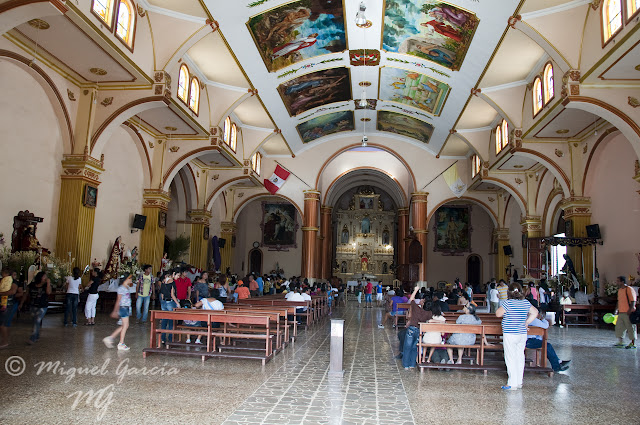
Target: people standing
{"type": "Point", "coordinates": [417, 314]}
{"type": "Point", "coordinates": [201, 287]}
{"type": "Point", "coordinates": [626, 306]}
{"type": "Point", "coordinates": [359, 293]}
{"type": "Point", "coordinates": [260, 283]}
{"type": "Point", "coordinates": [253, 286]}
{"type": "Point", "coordinates": [503, 289]}
{"type": "Point", "coordinates": [168, 301]}
{"type": "Point", "coordinates": [494, 298]}
{"type": "Point", "coordinates": [379, 299]}
{"type": "Point", "coordinates": [121, 309]}
{"type": "Point", "coordinates": [368, 291]}
{"type": "Point", "coordinates": [73, 295]}
{"type": "Point", "coordinates": [9, 288]}
{"type": "Point", "coordinates": [38, 293]}
{"type": "Point", "coordinates": [183, 288]}
{"type": "Point", "coordinates": [92, 298]}
{"type": "Point", "coordinates": [144, 292]}
{"type": "Point", "coordinates": [517, 313]}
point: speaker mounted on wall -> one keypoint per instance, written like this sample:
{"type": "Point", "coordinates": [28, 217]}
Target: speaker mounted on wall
{"type": "Point", "coordinates": [593, 231]}
{"type": "Point", "coordinates": [507, 250]}
{"type": "Point", "coordinates": [139, 221]}
{"type": "Point", "coordinates": [222, 242]}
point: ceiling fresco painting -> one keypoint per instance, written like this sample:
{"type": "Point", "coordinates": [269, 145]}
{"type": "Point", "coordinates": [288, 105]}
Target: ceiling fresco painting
{"type": "Point", "coordinates": [412, 89]}
{"type": "Point", "coordinates": [436, 31]}
{"type": "Point", "coordinates": [316, 89]}
{"type": "Point", "coordinates": [325, 125]}
{"type": "Point", "coordinates": [298, 31]}
{"type": "Point", "coordinates": [404, 125]}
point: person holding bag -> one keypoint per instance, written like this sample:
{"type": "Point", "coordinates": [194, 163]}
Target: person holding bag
{"type": "Point", "coordinates": [626, 306]}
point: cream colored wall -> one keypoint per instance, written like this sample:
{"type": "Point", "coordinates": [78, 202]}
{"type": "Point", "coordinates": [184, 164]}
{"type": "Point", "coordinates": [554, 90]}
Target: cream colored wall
{"type": "Point", "coordinates": [32, 148]}
{"type": "Point", "coordinates": [512, 222]}
{"type": "Point", "coordinates": [615, 206]}
{"type": "Point", "coordinates": [447, 267]}
{"type": "Point", "coordinates": [249, 231]}
{"type": "Point", "coordinates": [119, 196]}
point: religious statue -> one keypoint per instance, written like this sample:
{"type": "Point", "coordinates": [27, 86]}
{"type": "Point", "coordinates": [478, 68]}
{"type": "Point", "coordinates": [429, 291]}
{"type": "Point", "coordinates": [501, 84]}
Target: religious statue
{"type": "Point", "coordinates": [343, 268]}
{"type": "Point", "coordinates": [134, 254]}
{"type": "Point", "coordinates": [385, 237]}
{"type": "Point", "coordinates": [30, 242]}
{"type": "Point", "coordinates": [165, 263]}
{"type": "Point", "coordinates": [453, 233]}
{"type": "Point", "coordinates": [345, 235]}
{"type": "Point", "coordinates": [365, 225]}
{"type": "Point", "coordinates": [365, 264]}
{"type": "Point", "coordinates": [115, 259]}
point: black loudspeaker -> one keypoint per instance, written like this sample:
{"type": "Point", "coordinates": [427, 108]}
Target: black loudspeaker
{"type": "Point", "coordinates": [507, 250]}
{"type": "Point", "coordinates": [139, 221]}
{"type": "Point", "coordinates": [222, 242]}
{"type": "Point", "coordinates": [593, 231]}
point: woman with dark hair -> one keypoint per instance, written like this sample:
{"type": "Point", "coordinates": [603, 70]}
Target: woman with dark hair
{"type": "Point", "coordinates": [468, 318]}
{"type": "Point", "coordinates": [73, 288]}
{"type": "Point", "coordinates": [410, 343]}
{"type": "Point", "coordinates": [92, 298]}
{"type": "Point", "coordinates": [434, 337]}
{"type": "Point", "coordinates": [38, 293]}
{"type": "Point", "coordinates": [517, 313]}
{"type": "Point", "coordinates": [168, 302]}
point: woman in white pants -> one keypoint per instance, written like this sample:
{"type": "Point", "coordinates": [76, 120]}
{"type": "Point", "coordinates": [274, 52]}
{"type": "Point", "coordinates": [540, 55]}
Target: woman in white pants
{"type": "Point", "coordinates": [516, 313]}
{"type": "Point", "coordinates": [92, 298]}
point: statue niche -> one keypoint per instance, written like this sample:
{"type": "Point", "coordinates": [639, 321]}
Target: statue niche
{"type": "Point", "coordinates": [345, 235]}
{"type": "Point", "coordinates": [365, 225]}
{"type": "Point", "coordinates": [23, 237]}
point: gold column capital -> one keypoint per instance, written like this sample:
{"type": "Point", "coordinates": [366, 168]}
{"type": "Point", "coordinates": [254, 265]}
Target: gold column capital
{"type": "Point", "coordinates": [310, 229]}
{"type": "Point", "coordinates": [82, 167]}
{"type": "Point", "coordinates": [501, 234]}
{"type": "Point", "coordinates": [403, 211]}
{"type": "Point", "coordinates": [326, 209]}
{"type": "Point", "coordinates": [199, 216]}
{"type": "Point", "coordinates": [311, 194]}
{"type": "Point", "coordinates": [576, 206]}
{"type": "Point", "coordinates": [156, 198]}
{"type": "Point", "coordinates": [228, 227]}
{"type": "Point", "coordinates": [419, 197]}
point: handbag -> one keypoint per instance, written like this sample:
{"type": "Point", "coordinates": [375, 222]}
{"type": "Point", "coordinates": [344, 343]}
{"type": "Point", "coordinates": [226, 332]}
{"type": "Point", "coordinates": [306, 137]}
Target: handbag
{"type": "Point", "coordinates": [634, 317]}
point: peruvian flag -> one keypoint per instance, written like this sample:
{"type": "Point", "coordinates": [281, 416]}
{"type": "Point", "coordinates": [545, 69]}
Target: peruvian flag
{"type": "Point", "coordinates": [277, 179]}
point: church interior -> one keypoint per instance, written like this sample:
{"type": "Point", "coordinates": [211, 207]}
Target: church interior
{"type": "Point", "coordinates": [405, 142]}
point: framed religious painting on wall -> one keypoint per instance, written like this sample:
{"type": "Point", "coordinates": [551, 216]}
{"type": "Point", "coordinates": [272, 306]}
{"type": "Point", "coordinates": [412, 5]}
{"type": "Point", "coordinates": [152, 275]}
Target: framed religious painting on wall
{"type": "Point", "coordinates": [453, 229]}
{"type": "Point", "coordinates": [205, 233]}
{"type": "Point", "coordinates": [279, 225]}
{"type": "Point", "coordinates": [162, 219]}
{"type": "Point", "coordinates": [90, 198]}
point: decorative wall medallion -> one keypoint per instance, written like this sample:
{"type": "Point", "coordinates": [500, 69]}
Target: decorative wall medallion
{"type": "Point", "coordinates": [575, 145]}
{"type": "Point", "coordinates": [216, 176]}
{"type": "Point", "coordinates": [518, 180]}
{"type": "Point", "coordinates": [198, 173]}
{"type": "Point", "coordinates": [158, 76]}
{"type": "Point", "coordinates": [168, 128]}
{"type": "Point", "coordinates": [240, 195]}
{"type": "Point", "coordinates": [513, 20]}
{"type": "Point", "coordinates": [574, 74]}
{"type": "Point", "coordinates": [575, 90]}
{"type": "Point", "coordinates": [365, 119]}
{"type": "Point", "coordinates": [562, 131]}
{"type": "Point", "coordinates": [151, 145]}
{"type": "Point", "coordinates": [364, 83]}
{"type": "Point", "coordinates": [559, 153]}
{"type": "Point", "coordinates": [107, 101]}
{"type": "Point", "coordinates": [98, 71]}
{"type": "Point", "coordinates": [158, 89]}
{"type": "Point", "coordinates": [518, 166]}
{"type": "Point", "coordinates": [474, 91]}
{"type": "Point", "coordinates": [141, 12]}
{"type": "Point", "coordinates": [595, 4]}
{"type": "Point", "coordinates": [363, 57]}
{"type": "Point", "coordinates": [585, 148]}
{"type": "Point", "coordinates": [637, 68]}
{"type": "Point", "coordinates": [491, 199]}
{"type": "Point", "coordinates": [637, 167]}
{"type": "Point", "coordinates": [72, 97]}
{"type": "Point", "coordinates": [634, 102]}
{"type": "Point", "coordinates": [371, 104]}
{"type": "Point", "coordinates": [40, 24]}
{"type": "Point", "coordinates": [174, 148]}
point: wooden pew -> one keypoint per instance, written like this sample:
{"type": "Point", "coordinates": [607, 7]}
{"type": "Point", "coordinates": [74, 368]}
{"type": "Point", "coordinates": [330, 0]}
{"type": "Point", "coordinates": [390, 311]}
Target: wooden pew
{"type": "Point", "coordinates": [480, 299]}
{"type": "Point", "coordinates": [284, 303]}
{"type": "Point", "coordinates": [589, 311]}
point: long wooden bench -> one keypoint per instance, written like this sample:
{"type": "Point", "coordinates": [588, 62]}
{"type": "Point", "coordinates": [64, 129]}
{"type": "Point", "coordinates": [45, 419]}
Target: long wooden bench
{"type": "Point", "coordinates": [212, 349]}
{"type": "Point", "coordinates": [588, 311]}
{"type": "Point", "coordinates": [480, 299]}
{"type": "Point", "coordinates": [493, 331]}
{"type": "Point", "coordinates": [308, 314]}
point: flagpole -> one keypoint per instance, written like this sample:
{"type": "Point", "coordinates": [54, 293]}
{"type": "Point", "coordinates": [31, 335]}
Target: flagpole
{"type": "Point", "coordinates": [292, 173]}
{"type": "Point", "coordinates": [444, 171]}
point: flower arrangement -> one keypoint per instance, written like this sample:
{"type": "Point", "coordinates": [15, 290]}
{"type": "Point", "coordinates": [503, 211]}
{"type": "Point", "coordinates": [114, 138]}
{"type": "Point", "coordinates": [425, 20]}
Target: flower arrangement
{"type": "Point", "coordinates": [1, 238]}
{"type": "Point", "coordinates": [57, 270]}
{"type": "Point", "coordinates": [610, 288]}
{"type": "Point", "coordinates": [21, 261]}
{"type": "Point", "coordinates": [132, 267]}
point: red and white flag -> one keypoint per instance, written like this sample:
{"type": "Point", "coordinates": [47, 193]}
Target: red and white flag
{"type": "Point", "coordinates": [277, 179]}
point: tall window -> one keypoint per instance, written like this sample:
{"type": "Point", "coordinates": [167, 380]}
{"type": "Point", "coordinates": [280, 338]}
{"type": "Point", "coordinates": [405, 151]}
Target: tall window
{"type": "Point", "coordinates": [505, 133]}
{"type": "Point", "coordinates": [256, 160]}
{"type": "Point", "coordinates": [498, 139]}
{"type": "Point", "coordinates": [104, 9]}
{"type": "Point", "coordinates": [125, 22]}
{"type": "Point", "coordinates": [194, 95]}
{"type": "Point", "coordinates": [475, 165]}
{"type": "Point", "coordinates": [226, 130]}
{"type": "Point", "coordinates": [632, 7]}
{"type": "Point", "coordinates": [611, 18]}
{"type": "Point", "coordinates": [233, 143]}
{"type": "Point", "coordinates": [548, 83]}
{"type": "Point", "coordinates": [183, 83]}
{"type": "Point", "coordinates": [537, 96]}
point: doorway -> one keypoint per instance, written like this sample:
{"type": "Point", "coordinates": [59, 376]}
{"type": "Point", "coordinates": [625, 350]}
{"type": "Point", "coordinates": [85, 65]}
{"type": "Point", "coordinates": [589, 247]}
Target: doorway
{"type": "Point", "coordinates": [255, 262]}
{"type": "Point", "coordinates": [474, 270]}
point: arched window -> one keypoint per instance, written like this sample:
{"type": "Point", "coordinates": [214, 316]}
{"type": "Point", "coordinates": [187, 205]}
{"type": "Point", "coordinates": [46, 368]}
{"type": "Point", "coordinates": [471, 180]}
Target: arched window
{"type": "Point", "coordinates": [183, 83]}
{"type": "Point", "coordinates": [256, 160]}
{"type": "Point", "coordinates": [498, 140]}
{"type": "Point", "coordinates": [194, 95]}
{"type": "Point", "coordinates": [226, 130]}
{"type": "Point", "coordinates": [611, 18]}
{"type": "Point", "coordinates": [104, 10]}
{"type": "Point", "coordinates": [537, 96]}
{"type": "Point", "coordinates": [233, 142]}
{"type": "Point", "coordinates": [476, 166]}
{"type": "Point", "coordinates": [632, 7]}
{"type": "Point", "coordinates": [125, 23]}
{"type": "Point", "coordinates": [548, 83]}
{"type": "Point", "coordinates": [505, 133]}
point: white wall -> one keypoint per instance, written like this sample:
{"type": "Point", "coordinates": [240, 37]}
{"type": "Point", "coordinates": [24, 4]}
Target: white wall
{"type": "Point", "coordinates": [249, 231]}
{"type": "Point", "coordinates": [31, 152]}
{"type": "Point", "coordinates": [512, 222]}
{"type": "Point", "coordinates": [615, 206]}
{"type": "Point", "coordinates": [447, 267]}
{"type": "Point", "coordinates": [119, 195]}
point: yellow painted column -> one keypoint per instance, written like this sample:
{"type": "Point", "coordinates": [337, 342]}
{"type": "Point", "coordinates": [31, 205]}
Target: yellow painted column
{"type": "Point", "coordinates": [76, 212]}
{"type": "Point", "coordinates": [501, 236]}
{"type": "Point", "coordinates": [577, 210]}
{"type": "Point", "coordinates": [198, 250]}
{"type": "Point", "coordinates": [155, 205]}
{"type": "Point", "coordinates": [228, 233]}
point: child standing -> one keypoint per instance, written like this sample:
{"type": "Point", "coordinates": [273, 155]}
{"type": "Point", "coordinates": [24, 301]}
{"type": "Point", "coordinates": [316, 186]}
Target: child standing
{"type": "Point", "coordinates": [121, 309]}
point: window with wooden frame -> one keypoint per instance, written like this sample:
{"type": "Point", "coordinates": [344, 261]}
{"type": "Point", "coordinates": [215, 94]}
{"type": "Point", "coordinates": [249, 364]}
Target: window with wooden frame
{"type": "Point", "coordinates": [611, 19]}
{"type": "Point", "coordinates": [536, 96]}
{"type": "Point", "coordinates": [104, 10]}
{"type": "Point", "coordinates": [233, 142]}
{"type": "Point", "coordinates": [126, 22]}
{"type": "Point", "coordinates": [633, 6]}
{"type": "Point", "coordinates": [505, 134]}
{"type": "Point", "coordinates": [475, 165]}
{"type": "Point", "coordinates": [256, 161]}
{"type": "Point", "coordinates": [226, 130]}
{"type": "Point", "coordinates": [194, 95]}
{"type": "Point", "coordinates": [183, 83]}
{"type": "Point", "coordinates": [548, 83]}
{"type": "Point", "coordinates": [498, 140]}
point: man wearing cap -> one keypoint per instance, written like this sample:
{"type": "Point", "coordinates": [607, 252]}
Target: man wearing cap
{"type": "Point", "coordinates": [242, 291]}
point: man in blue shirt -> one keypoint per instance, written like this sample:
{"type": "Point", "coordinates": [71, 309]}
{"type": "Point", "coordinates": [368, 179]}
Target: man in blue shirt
{"type": "Point", "coordinates": [260, 283]}
{"type": "Point", "coordinates": [535, 342]}
{"type": "Point", "coordinates": [379, 294]}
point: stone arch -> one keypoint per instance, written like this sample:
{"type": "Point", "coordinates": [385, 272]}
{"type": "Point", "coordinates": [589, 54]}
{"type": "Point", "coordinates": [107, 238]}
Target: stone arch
{"type": "Point", "coordinates": [485, 207]}
{"type": "Point", "coordinates": [171, 172]}
{"type": "Point", "coordinates": [257, 196]}
{"type": "Point", "coordinates": [522, 203]}
{"type": "Point", "coordinates": [554, 168]}
{"type": "Point", "coordinates": [50, 89]}
{"type": "Point", "coordinates": [190, 187]}
{"type": "Point", "coordinates": [145, 160]}
{"type": "Point", "coordinates": [608, 134]}
{"type": "Point", "coordinates": [401, 201]}
{"type": "Point", "coordinates": [220, 189]}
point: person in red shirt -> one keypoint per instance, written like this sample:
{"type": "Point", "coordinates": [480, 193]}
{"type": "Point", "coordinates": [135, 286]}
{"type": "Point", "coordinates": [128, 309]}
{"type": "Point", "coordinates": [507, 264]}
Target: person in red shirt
{"type": "Point", "coordinates": [368, 290]}
{"type": "Point", "coordinates": [183, 287]}
{"type": "Point", "coordinates": [253, 286]}
{"type": "Point", "coordinates": [242, 291]}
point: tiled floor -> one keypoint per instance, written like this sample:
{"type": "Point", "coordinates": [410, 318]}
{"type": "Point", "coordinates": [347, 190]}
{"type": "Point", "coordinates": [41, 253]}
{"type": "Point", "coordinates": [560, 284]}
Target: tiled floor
{"type": "Point", "coordinates": [600, 387]}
